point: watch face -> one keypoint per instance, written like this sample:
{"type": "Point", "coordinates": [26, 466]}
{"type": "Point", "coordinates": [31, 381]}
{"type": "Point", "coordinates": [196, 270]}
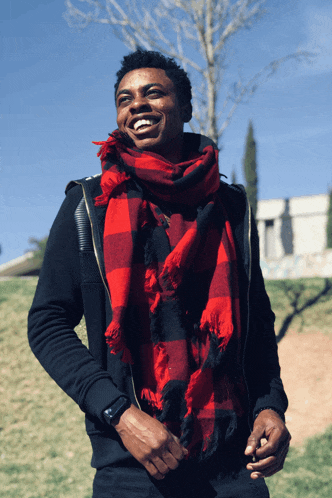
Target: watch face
{"type": "Point", "coordinates": [117, 408]}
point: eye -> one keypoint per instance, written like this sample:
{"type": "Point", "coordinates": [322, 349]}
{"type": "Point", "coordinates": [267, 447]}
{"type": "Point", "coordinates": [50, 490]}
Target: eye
{"type": "Point", "coordinates": [155, 93]}
{"type": "Point", "coordinates": [124, 98]}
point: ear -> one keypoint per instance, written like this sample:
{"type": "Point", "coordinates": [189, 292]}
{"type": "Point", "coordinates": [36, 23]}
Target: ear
{"type": "Point", "coordinates": [186, 112]}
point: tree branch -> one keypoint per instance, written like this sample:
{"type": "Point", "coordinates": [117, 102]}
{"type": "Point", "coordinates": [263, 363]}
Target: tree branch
{"type": "Point", "coordinates": [179, 27]}
{"type": "Point", "coordinates": [264, 74]}
{"type": "Point", "coordinates": [295, 296]}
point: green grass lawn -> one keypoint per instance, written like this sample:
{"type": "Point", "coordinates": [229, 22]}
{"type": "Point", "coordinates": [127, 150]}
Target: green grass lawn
{"type": "Point", "coordinates": [307, 472]}
{"type": "Point", "coordinates": [44, 451]}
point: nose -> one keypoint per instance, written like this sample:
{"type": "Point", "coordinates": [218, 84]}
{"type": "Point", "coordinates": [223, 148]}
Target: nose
{"type": "Point", "coordinates": [139, 104]}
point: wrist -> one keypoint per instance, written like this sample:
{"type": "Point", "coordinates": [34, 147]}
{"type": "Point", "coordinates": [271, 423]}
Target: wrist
{"type": "Point", "coordinates": [113, 413]}
{"type": "Point", "coordinates": [277, 412]}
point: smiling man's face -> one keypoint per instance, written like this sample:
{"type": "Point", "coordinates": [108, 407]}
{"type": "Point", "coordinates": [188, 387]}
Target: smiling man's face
{"type": "Point", "coordinates": [149, 112]}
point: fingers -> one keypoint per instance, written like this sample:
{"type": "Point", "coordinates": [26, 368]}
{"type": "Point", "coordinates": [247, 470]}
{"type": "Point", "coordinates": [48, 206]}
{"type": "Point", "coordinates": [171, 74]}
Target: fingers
{"type": "Point", "coordinates": [153, 470]}
{"type": "Point", "coordinates": [268, 444]}
{"type": "Point", "coordinates": [150, 442]}
{"type": "Point", "coordinates": [164, 460]}
{"type": "Point", "coordinates": [274, 446]}
{"type": "Point", "coordinates": [171, 462]}
{"type": "Point", "coordinates": [161, 468]}
{"type": "Point", "coordinates": [165, 456]}
{"type": "Point", "coordinates": [176, 449]}
{"type": "Point", "coordinates": [270, 465]}
{"type": "Point", "coordinates": [254, 440]}
{"type": "Point", "coordinates": [266, 467]}
{"type": "Point", "coordinates": [169, 456]}
{"type": "Point", "coordinates": [252, 444]}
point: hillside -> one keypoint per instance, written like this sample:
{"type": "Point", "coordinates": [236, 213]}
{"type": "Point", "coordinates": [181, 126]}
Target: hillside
{"type": "Point", "coordinates": [46, 453]}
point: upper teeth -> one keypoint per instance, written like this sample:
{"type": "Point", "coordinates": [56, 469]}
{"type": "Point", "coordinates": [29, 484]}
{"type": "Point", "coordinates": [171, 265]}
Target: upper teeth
{"type": "Point", "coordinates": [142, 122]}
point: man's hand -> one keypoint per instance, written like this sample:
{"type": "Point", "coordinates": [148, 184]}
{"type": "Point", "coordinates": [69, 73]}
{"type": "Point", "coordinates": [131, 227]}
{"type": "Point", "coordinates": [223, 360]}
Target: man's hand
{"type": "Point", "coordinates": [268, 443]}
{"type": "Point", "coordinates": [150, 442]}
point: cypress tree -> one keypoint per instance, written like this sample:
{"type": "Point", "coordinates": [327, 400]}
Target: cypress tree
{"type": "Point", "coordinates": [329, 222]}
{"type": "Point", "coordinates": [233, 176]}
{"type": "Point", "coordinates": [250, 168]}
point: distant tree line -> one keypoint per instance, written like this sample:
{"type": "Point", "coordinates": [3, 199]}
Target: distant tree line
{"type": "Point", "coordinates": [38, 249]}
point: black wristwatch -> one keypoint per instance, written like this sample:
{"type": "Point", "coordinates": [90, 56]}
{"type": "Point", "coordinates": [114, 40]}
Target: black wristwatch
{"type": "Point", "coordinates": [116, 409]}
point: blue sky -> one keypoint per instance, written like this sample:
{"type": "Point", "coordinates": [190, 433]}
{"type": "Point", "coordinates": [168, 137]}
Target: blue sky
{"type": "Point", "coordinates": [57, 96]}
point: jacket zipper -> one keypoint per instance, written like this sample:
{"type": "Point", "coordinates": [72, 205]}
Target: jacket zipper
{"type": "Point", "coordinates": [102, 277]}
{"type": "Point", "coordinates": [248, 310]}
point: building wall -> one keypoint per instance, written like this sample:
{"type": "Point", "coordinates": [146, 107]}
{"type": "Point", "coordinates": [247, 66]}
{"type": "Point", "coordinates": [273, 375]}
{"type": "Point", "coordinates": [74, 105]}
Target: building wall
{"type": "Point", "coordinates": [298, 266]}
{"type": "Point", "coordinates": [310, 220]}
{"type": "Point", "coordinates": [293, 234]}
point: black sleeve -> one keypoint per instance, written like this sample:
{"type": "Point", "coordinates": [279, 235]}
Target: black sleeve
{"type": "Point", "coordinates": [56, 309]}
{"type": "Point", "coordinates": [265, 381]}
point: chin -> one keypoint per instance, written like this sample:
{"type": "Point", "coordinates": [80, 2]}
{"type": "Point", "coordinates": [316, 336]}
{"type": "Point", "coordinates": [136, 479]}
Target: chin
{"type": "Point", "coordinates": [147, 145]}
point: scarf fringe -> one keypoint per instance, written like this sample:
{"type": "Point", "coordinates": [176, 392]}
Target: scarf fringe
{"type": "Point", "coordinates": [179, 259]}
{"type": "Point", "coordinates": [214, 322]}
{"type": "Point", "coordinates": [161, 377]}
{"type": "Point", "coordinates": [109, 146]}
{"type": "Point", "coordinates": [196, 393]}
{"type": "Point", "coordinates": [172, 272]}
{"type": "Point", "coordinates": [110, 180]}
{"type": "Point", "coordinates": [187, 430]}
{"type": "Point", "coordinates": [153, 398]}
{"type": "Point", "coordinates": [151, 286]}
{"type": "Point", "coordinates": [221, 431]}
{"type": "Point", "coordinates": [172, 396]}
{"type": "Point", "coordinates": [114, 339]}
{"type": "Point", "coordinates": [224, 430]}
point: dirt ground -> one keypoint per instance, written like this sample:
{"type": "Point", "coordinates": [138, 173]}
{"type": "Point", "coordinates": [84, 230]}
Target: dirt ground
{"type": "Point", "coordinates": [306, 370]}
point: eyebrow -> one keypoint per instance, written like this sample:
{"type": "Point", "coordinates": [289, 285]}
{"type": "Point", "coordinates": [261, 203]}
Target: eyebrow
{"type": "Point", "coordinates": [144, 88]}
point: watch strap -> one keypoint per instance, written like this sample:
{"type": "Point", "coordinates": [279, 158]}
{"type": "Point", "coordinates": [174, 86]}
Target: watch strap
{"type": "Point", "coordinates": [116, 409]}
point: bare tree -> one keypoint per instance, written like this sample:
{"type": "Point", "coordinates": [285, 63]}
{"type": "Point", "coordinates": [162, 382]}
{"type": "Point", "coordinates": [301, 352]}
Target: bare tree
{"type": "Point", "coordinates": [197, 33]}
{"type": "Point", "coordinates": [294, 293]}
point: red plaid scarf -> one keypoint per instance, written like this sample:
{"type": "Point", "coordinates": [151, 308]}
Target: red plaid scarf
{"type": "Point", "coordinates": [189, 267]}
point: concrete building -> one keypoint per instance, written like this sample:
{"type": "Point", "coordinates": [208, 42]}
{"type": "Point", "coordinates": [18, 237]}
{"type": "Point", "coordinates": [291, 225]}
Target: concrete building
{"type": "Point", "coordinates": [293, 237]}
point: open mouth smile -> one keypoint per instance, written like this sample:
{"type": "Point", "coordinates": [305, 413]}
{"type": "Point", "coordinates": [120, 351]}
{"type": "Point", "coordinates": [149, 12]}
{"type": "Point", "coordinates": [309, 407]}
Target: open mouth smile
{"type": "Point", "coordinates": [142, 124]}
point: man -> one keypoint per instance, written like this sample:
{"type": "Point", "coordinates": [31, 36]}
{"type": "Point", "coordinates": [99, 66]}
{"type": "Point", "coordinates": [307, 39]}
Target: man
{"type": "Point", "coordinates": [180, 385]}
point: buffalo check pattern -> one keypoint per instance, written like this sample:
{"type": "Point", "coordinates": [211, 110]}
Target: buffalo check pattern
{"type": "Point", "coordinates": [171, 269]}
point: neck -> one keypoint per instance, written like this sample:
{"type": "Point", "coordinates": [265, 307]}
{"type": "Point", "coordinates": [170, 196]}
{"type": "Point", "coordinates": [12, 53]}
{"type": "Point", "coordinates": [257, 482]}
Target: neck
{"type": "Point", "coordinates": [172, 151]}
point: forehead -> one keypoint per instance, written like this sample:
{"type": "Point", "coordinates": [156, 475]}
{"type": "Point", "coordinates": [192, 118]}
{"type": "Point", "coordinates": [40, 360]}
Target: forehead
{"type": "Point", "coordinates": [138, 78]}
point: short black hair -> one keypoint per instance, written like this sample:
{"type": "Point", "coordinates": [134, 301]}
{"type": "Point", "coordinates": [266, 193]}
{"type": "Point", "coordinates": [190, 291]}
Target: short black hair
{"type": "Point", "coordinates": [149, 58]}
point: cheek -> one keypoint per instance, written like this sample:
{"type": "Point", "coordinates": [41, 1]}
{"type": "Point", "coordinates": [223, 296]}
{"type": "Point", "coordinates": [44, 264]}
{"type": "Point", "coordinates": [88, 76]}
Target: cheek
{"type": "Point", "coordinates": [169, 112]}
{"type": "Point", "coordinates": [175, 118]}
{"type": "Point", "coordinates": [121, 117]}
{"type": "Point", "coordinates": [119, 122]}
{"type": "Point", "coordinates": [163, 106]}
